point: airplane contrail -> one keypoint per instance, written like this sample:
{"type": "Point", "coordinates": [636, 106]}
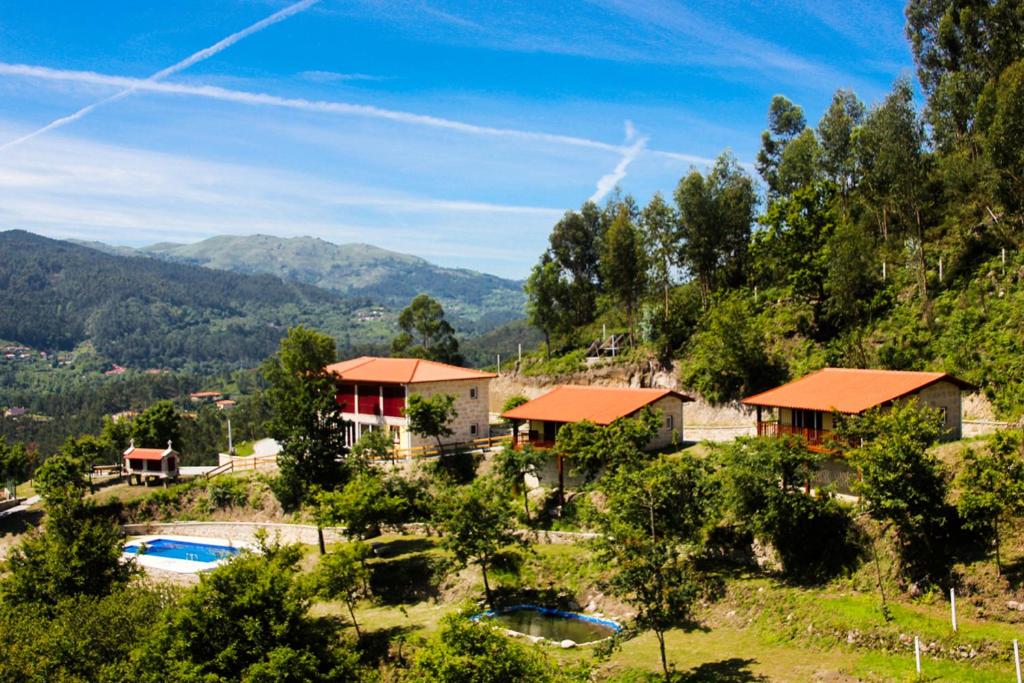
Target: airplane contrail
{"type": "Point", "coordinates": [328, 107]}
{"type": "Point", "coordinates": [199, 56]}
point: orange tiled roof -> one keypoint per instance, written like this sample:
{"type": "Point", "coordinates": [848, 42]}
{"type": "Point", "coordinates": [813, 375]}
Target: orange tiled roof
{"type": "Point", "coordinates": [401, 371]}
{"type": "Point", "coordinates": [600, 405]}
{"type": "Point", "coordinates": [146, 453]}
{"type": "Point", "coordinates": [849, 390]}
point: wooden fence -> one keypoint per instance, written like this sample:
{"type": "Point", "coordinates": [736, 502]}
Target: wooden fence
{"type": "Point", "coordinates": [243, 464]}
{"type": "Point", "coordinates": [248, 464]}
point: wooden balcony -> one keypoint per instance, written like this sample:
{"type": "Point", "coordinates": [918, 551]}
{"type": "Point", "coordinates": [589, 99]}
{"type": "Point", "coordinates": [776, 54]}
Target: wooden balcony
{"type": "Point", "coordinates": [818, 440]}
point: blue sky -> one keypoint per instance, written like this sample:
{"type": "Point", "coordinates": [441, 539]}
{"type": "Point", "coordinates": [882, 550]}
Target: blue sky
{"type": "Point", "coordinates": [458, 131]}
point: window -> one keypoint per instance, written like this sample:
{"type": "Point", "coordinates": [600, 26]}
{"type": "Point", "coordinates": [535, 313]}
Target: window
{"type": "Point", "coordinates": [472, 429]}
{"type": "Point", "coordinates": [472, 393]}
{"type": "Point", "coordinates": [807, 419]}
{"type": "Point", "coordinates": [670, 422]}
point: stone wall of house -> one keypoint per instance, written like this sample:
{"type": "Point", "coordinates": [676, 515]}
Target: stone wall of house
{"type": "Point", "coordinates": [471, 411]}
{"type": "Point", "coordinates": [671, 430]}
{"type": "Point", "coordinates": [946, 397]}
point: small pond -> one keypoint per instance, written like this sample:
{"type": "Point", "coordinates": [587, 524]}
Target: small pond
{"type": "Point", "coordinates": [551, 624]}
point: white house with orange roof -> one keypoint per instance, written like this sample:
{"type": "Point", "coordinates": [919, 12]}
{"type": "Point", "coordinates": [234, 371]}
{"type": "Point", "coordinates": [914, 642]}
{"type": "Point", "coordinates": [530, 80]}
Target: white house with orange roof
{"type": "Point", "coordinates": [807, 407]}
{"type": "Point", "coordinates": [374, 392]}
{"type": "Point", "coordinates": [566, 404]}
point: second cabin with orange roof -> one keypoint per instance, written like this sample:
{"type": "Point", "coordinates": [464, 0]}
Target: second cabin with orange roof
{"type": "Point", "coordinates": [600, 405]}
{"type": "Point", "coordinates": [807, 407]}
{"type": "Point", "coordinates": [373, 393]}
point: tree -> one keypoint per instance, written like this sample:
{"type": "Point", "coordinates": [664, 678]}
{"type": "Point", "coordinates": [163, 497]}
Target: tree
{"type": "Point", "coordinates": [624, 265]}
{"type": "Point", "coordinates": [14, 464]}
{"type": "Point", "coordinates": [715, 217]}
{"type": "Point", "coordinates": [158, 426]}
{"type": "Point", "coordinates": [84, 638]}
{"type": "Point", "coordinates": [425, 332]}
{"type": "Point", "coordinates": [343, 575]}
{"type": "Point", "coordinates": [895, 171]}
{"type": "Point", "coordinates": [367, 502]}
{"type": "Point", "coordinates": [476, 522]}
{"type": "Point", "coordinates": [729, 356]}
{"type": "Point", "coordinates": [513, 465]}
{"type": "Point", "coordinates": [1003, 106]}
{"type": "Point", "coordinates": [373, 446]}
{"type": "Point", "coordinates": [991, 482]}
{"type": "Point", "coordinates": [78, 554]}
{"type": "Point", "coordinates": [619, 444]}
{"type": "Point", "coordinates": [902, 483]}
{"type": "Point", "coordinates": [836, 133]}
{"type": "Point", "coordinates": [785, 122]}
{"type": "Point", "coordinates": [765, 486]}
{"type": "Point", "coordinates": [544, 292]}
{"type": "Point", "coordinates": [243, 621]}
{"type": "Point", "coordinates": [959, 48]}
{"type": "Point", "coordinates": [306, 419]}
{"type": "Point", "coordinates": [464, 651]}
{"type": "Point", "coordinates": [654, 520]}
{"type": "Point", "coordinates": [661, 236]}
{"type": "Point", "coordinates": [87, 450]}
{"type": "Point", "coordinates": [576, 246]}
{"type": "Point", "coordinates": [429, 417]}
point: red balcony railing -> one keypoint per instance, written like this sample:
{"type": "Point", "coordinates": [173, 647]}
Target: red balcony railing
{"type": "Point", "coordinates": [822, 440]}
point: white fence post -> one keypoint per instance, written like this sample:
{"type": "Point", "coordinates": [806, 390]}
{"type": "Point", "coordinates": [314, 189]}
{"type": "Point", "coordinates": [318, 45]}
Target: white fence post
{"type": "Point", "coordinates": [952, 606]}
{"type": "Point", "coordinates": [1016, 659]}
{"type": "Point", "coordinates": [917, 654]}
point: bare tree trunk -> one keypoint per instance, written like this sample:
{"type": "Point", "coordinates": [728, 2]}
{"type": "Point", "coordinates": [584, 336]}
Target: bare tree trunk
{"type": "Point", "coordinates": [999, 566]}
{"type": "Point", "coordinates": [320, 539]}
{"type": "Point", "coordinates": [352, 614]}
{"type": "Point", "coordinates": [664, 659]}
{"type": "Point", "coordinates": [487, 586]}
{"type": "Point", "coordinates": [526, 501]}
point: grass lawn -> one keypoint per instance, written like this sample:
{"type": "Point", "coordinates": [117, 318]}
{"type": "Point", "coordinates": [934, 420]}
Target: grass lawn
{"type": "Point", "coordinates": [756, 632]}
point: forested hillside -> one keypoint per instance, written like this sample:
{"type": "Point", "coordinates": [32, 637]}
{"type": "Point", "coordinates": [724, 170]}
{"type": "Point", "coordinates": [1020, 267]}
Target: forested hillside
{"type": "Point", "coordinates": [881, 235]}
{"type": "Point", "coordinates": [144, 313]}
{"type": "Point", "coordinates": [475, 301]}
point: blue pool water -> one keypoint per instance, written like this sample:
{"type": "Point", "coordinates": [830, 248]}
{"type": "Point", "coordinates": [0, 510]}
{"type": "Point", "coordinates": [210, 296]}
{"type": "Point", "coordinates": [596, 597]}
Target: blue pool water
{"type": "Point", "coordinates": [182, 550]}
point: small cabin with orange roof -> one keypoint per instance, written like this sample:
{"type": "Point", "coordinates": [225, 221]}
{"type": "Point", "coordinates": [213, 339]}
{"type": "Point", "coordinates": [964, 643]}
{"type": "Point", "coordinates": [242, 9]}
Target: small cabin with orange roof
{"type": "Point", "coordinates": [807, 407]}
{"type": "Point", "coordinates": [373, 393]}
{"type": "Point", "coordinates": [600, 405]}
{"type": "Point", "coordinates": [151, 463]}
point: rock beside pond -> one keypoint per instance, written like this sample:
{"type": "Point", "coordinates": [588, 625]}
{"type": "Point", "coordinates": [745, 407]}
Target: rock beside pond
{"type": "Point", "coordinates": [567, 644]}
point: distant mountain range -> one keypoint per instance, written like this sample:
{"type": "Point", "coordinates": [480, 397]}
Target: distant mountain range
{"type": "Point", "coordinates": [475, 301]}
{"type": "Point", "coordinates": [145, 312]}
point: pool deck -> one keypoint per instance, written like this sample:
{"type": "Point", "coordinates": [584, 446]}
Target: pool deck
{"type": "Point", "coordinates": [175, 565]}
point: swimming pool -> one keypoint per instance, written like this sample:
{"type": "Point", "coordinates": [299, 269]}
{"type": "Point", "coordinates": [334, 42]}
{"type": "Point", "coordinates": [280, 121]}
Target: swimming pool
{"type": "Point", "coordinates": [182, 550]}
{"type": "Point", "coordinates": [182, 554]}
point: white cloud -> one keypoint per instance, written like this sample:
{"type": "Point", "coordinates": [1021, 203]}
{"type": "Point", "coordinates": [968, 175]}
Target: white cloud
{"type": "Point", "coordinates": [65, 187]}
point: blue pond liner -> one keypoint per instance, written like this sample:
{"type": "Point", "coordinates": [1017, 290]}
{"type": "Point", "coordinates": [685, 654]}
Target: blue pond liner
{"type": "Point", "coordinates": [183, 550]}
{"type": "Point", "coordinates": [550, 611]}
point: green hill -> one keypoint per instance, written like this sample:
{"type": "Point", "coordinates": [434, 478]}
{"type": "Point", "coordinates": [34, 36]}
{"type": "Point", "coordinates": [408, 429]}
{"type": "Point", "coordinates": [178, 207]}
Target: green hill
{"type": "Point", "coordinates": [475, 301]}
{"type": "Point", "coordinates": [145, 312]}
